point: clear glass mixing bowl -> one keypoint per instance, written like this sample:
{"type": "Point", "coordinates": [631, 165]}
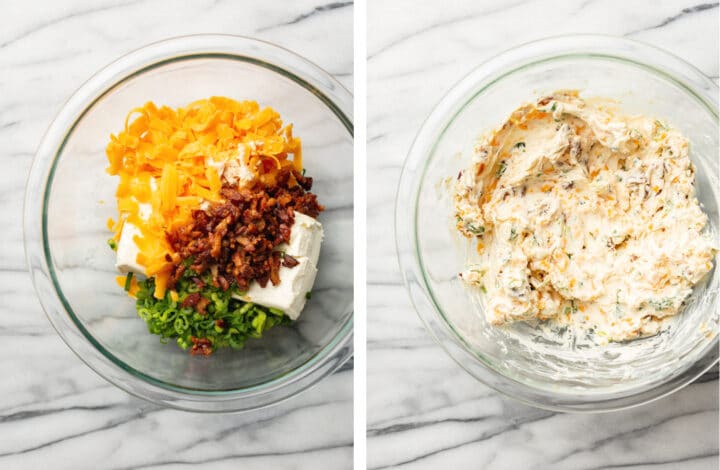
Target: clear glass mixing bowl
{"type": "Point", "coordinates": [518, 360]}
{"type": "Point", "coordinates": [70, 196]}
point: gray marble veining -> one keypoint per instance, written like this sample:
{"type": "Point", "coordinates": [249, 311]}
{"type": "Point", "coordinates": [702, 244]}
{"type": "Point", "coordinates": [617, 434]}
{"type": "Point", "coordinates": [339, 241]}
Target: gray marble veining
{"type": "Point", "coordinates": [425, 412]}
{"type": "Point", "coordinates": [57, 412]}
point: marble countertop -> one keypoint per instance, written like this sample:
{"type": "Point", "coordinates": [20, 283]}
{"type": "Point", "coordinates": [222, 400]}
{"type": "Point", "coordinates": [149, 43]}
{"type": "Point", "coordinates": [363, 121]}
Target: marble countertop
{"type": "Point", "coordinates": [424, 412]}
{"type": "Point", "coordinates": [56, 411]}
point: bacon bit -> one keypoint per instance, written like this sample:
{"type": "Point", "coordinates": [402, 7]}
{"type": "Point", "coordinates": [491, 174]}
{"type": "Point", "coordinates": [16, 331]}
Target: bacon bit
{"type": "Point", "coordinates": [202, 305]}
{"type": "Point", "coordinates": [544, 101]}
{"type": "Point", "coordinates": [220, 322]}
{"type": "Point", "coordinates": [268, 165]}
{"type": "Point", "coordinates": [289, 261]}
{"type": "Point", "coordinates": [191, 300]}
{"type": "Point", "coordinates": [223, 283]}
{"type": "Point", "coordinates": [201, 346]}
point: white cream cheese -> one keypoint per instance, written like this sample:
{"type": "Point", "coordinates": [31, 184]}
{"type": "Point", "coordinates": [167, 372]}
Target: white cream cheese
{"type": "Point", "coordinates": [290, 294]}
{"type": "Point", "coordinates": [583, 217]}
{"type": "Point", "coordinates": [305, 238]}
{"type": "Point", "coordinates": [127, 250]}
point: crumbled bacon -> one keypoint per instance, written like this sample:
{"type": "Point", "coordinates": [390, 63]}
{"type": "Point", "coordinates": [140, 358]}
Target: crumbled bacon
{"type": "Point", "coordinates": [240, 236]}
{"type": "Point", "coordinates": [197, 302]}
{"type": "Point", "coordinates": [201, 346]}
{"type": "Point", "coordinates": [289, 261]}
{"type": "Point", "coordinates": [191, 300]}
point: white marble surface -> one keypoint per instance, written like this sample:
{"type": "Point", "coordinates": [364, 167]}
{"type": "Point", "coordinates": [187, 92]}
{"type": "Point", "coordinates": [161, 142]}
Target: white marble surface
{"type": "Point", "coordinates": [424, 412]}
{"type": "Point", "coordinates": [55, 411]}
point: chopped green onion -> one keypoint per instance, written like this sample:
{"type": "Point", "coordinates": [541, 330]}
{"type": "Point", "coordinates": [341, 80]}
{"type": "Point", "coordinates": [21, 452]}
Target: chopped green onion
{"type": "Point", "coordinates": [128, 281]}
{"type": "Point", "coordinates": [276, 311]}
{"type": "Point", "coordinates": [168, 319]}
{"type": "Point", "coordinates": [502, 166]}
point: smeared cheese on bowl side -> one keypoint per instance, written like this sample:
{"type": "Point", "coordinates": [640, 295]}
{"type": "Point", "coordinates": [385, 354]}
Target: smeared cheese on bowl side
{"type": "Point", "coordinates": [583, 218]}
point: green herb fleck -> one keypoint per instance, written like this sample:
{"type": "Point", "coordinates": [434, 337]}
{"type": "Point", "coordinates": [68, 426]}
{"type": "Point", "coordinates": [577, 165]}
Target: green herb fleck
{"type": "Point", "coordinates": [477, 231]}
{"type": "Point", "coordinates": [112, 244]}
{"type": "Point", "coordinates": [308, 295]}
{"type": "Point", "coordinates": [519, 145]}
{"type": "Point", "coordinates": [661, 304]}
{"type": "Point", "coordinates": [553, 107]}
{"type": "Point", "coordinates": [502, 166]}
{"type": "Point", "coordinates": [513, 233]}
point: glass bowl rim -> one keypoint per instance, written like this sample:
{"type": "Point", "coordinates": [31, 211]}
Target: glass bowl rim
{"type": "Point", "coordinates": [443, 114]}
{"type": "Point", "coordinates": [60, 314]}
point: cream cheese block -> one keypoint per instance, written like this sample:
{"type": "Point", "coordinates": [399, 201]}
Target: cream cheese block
{"type": "Point", "coordinates": [290, 294]}
{"type": "Point", "coordinates": [127, 250]}
{"type": "Point", "coordinates": [305, 238]}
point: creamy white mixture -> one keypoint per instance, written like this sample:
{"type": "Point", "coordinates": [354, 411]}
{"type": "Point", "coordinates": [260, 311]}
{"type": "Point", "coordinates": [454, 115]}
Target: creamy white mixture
{"type": "Point", "coordinates": [583, 217]}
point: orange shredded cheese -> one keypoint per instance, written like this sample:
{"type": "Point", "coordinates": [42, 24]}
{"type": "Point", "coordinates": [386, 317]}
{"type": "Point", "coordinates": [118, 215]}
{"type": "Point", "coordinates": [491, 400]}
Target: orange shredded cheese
{"type": "Point", "coordinates": [134, 286]}
{"type": "Point", "coordinates": [160, 158]}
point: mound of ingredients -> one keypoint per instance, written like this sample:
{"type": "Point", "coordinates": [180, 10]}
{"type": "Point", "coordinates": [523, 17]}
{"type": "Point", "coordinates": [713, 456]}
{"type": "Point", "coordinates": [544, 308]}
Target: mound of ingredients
{"type": "Point", "coordinates": [583, 218]}
{"type": "Point", "coordinates": [217, 235]}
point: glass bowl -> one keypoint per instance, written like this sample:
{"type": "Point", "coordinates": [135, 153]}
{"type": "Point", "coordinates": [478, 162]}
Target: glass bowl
{"type": "Point", "coordinates": [517, 360]}
{"type": "Point", "coordinates": [70, 196]}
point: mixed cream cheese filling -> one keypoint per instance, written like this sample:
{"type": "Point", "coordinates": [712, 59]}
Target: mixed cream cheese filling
{"type": "Point", "coordinates": [583, 217]}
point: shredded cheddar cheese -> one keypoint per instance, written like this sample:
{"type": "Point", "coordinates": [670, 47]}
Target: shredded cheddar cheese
{"type": "Point", "coordinates": [161, 160]}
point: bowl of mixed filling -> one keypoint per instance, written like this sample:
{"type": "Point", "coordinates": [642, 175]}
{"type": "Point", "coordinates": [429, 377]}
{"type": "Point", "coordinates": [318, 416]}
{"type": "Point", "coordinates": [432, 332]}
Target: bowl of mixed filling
{"type": "Point", "coordinates": [578, 181]}
{"type": "Point", "coordinates": [188, 223]}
